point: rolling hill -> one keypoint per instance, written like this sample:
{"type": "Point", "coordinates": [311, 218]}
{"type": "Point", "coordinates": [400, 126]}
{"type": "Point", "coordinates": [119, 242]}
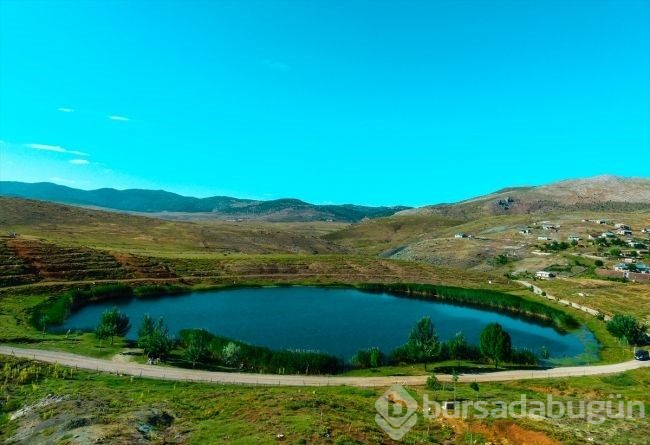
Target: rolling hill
{"type": "Point", "coordinates": [427, 234]}
{"type": "Point", "coordinates": [75, 226]}
{"type": "Point", "coordinates": [214, 207]}
{"type": "Point", "coordinates": [599, 193]}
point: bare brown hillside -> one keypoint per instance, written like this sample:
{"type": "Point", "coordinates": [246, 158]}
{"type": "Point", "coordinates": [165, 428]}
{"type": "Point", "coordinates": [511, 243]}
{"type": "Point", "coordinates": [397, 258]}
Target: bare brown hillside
{"type": "Point", "coordinates": [606, 193]}
{"type": "Point", "coordinates": [76, 226]}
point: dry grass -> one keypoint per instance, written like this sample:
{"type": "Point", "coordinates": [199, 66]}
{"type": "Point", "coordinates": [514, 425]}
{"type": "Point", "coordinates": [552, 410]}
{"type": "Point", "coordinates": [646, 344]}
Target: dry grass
{"type": "Point", "coordinates": [610, 297]}
{"type": "Point", "coordinates": [80, 227]}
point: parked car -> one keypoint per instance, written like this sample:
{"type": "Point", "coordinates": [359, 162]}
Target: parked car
{"type": "Point", "coordinates": [642, 354]}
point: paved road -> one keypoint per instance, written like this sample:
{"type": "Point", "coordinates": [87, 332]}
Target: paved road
{"type": "Point", "coordinates": [166, 373]}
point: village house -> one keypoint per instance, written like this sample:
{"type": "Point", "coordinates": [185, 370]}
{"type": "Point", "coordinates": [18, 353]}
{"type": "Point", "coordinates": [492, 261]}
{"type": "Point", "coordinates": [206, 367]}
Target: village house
{"type": "Point", "coordinates": [549, 227]}
{"type": "Point", "coordinates": [544, 275]}
{"type": "Point", "coordinates": [594, 236]}
{"type": "Point", "coordinates": [622, 226]}
{"type": "Point", "coordinates": [646, 230]}
{"type": "Point", "coordinates": [607, 234]}
{"type": "Point", "coordinates": [624, 232]}
{"type": "Point", "coordinates": [621, 267]}
{"type": "Point", "coordinates": [460, 235]}
{"type": "Point", "coordinates": [544, 238]}
{"type": "Point", "coordinates": [525, 231]}
{"type": "Point", "coordinates": [601, 221]}
{"type": "Point", "coordinates": [574, 238]}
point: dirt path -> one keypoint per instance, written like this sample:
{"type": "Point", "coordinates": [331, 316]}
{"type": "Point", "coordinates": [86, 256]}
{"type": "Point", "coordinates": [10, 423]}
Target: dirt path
{"type": "Point", "coordinates": [126, 356]}
{"type": "Point", "coordinates": [538, 291]}
{"type": "Point", "coordinates": [191, 375]}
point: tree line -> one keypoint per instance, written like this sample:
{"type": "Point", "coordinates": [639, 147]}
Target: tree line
{"type": "Point", "coordinates": [200, 347]}
{"type": "Point", "coordinates": [423, 346]}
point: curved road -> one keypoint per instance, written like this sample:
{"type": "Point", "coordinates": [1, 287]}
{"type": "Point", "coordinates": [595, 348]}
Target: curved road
{"type": "Point", "coordinates": [237, 378]}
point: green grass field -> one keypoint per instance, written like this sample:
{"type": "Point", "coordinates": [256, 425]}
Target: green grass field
{"type": "Point", "coordinates": [71, 406]}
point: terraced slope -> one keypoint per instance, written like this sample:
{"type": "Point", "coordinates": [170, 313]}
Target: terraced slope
{"type": "Point", "coordinates": [29, 260]}
{"type": "Point", "coordinates": [13, 269]}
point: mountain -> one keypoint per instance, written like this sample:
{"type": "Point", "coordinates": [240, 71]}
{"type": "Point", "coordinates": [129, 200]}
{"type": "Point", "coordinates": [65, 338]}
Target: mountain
{"type": "Point", "coordinates": [598, 193]}
{"type": "Point", "coordinates": [214, 207]}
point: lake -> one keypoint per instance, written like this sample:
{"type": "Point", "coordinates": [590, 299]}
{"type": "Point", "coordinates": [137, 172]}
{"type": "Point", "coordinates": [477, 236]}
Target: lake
{"type": "Point", "coordinates": [332, 320]}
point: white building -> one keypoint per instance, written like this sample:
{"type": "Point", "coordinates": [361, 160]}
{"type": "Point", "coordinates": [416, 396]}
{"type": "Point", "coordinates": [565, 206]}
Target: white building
{"type": "Point", "coordinates": [544, 275]}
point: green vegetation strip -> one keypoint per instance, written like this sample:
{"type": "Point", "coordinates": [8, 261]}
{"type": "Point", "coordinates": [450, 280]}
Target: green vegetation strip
{"type": "Point", "coordinates": [55, 309]}
{"type": "Point", "coordinates": [483, 298]}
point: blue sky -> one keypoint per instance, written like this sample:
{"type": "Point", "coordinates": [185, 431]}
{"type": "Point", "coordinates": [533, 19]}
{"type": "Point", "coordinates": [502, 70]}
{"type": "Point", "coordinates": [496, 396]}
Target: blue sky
{"type": "Point", "coordinates": [332, 102]}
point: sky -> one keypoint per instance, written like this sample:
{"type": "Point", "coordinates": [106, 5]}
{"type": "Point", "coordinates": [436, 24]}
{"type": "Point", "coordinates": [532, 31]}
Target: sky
{"type": "Point", "coordinates": [367, 102]}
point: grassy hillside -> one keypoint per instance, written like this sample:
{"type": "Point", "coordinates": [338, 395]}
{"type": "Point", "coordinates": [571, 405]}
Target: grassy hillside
{"type": "Point", "coordinates": [600, 193]}
{"type": "Point", "coordinates": [430, 237]}
{"type": "Point", "coordinates": [92, 228]}
{"type": "Point", "coordinates": [379, 235]}
{"type": "Point", "coordinates": [71, 406]}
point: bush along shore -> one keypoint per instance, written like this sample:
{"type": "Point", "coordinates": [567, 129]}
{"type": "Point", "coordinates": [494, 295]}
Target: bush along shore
{"type": "Point", "coordinates": [482, 298]}
{"type": "Point", "coordinates": [55, 309]}
{"type": "Point", "coordinates": [200, 348]}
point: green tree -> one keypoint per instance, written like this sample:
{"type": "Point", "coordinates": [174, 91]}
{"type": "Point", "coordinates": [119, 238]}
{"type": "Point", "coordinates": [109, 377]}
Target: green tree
{"type": "Point", "coordinates": [43, 321]}
{"type": "Point", "coordinates": [454, 379]}
{"type": "Point", "coordinates": [197, 346]}
{"type": "Point", "coordinates": [102, 332]}
{"type": "Point", "coordinates": [375, 357]}
{"type": "Point", "coordinates": [615, 252]}
{"type": "Point", "coordinates": [112, 323]}
{"type": "Point", "coordinates": [362, 358]}
{"type": "Point", "coordinates": [424, 341]}
{"type": "Point", "coordinates": [598, 263]}
{"type": "Point", "coordinates": [231, 354]}
{"type": "Point", "coordinates": [627, 328]}
{"type": "Point", "coordinates": [544, 353]}
{"type": "Point", "coordinates": [154, 338]}
{"type": "Point", "coordinates": [432, 383]}
{"type": "Point", "coordinates": [147, 326]}
{"type": "Point", "coordinates": [458, 347]}
{"type": "Point", "coordinates": [495, 343]}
